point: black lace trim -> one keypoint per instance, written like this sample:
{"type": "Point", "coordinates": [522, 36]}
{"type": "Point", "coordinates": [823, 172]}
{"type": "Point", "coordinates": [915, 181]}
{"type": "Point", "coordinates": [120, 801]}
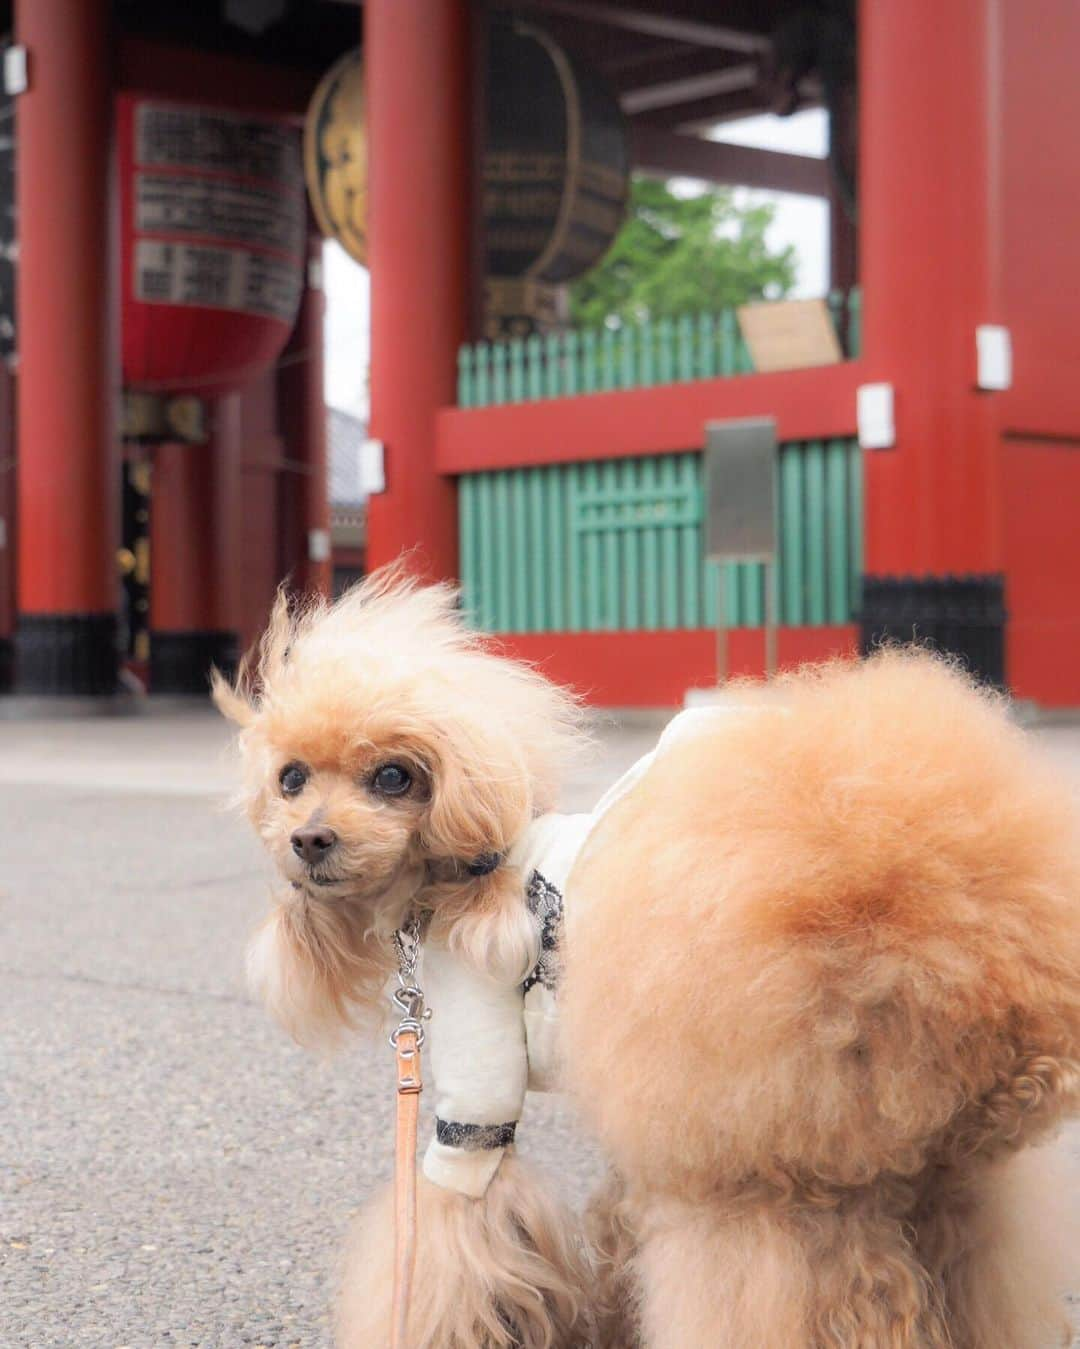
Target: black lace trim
{"type": "Point", "coordinates": [474, 1137]}
{"type": "Point", "coordinates": [546, 905]}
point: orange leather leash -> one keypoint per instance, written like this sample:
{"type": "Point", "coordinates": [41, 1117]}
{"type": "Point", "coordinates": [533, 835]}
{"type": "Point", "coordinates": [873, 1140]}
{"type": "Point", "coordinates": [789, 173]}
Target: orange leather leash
{"type": "Point", "coordinates": [409, 1087]}
{"type": "Point", "coordinates": [406, 1039]}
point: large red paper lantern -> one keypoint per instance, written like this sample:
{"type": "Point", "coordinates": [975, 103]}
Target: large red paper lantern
{"type": "Point", "coordinates": [212, 240]}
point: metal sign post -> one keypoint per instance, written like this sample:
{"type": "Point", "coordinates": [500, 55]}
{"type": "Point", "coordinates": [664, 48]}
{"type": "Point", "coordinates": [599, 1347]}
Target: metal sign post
{"type": "Point", "coordinates": [741, 515]}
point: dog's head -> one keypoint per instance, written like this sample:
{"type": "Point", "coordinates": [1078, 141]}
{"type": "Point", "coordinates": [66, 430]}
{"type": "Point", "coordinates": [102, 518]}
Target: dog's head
{"type": "Point", "coordinates": [391, 761]}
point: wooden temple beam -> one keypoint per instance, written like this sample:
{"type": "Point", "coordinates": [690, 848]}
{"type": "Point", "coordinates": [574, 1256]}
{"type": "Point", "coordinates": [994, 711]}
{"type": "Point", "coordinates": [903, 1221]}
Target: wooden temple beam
{"type": "Point", "coordinates": [810, 404]}
{"type": "Point", "coordinates": [668, 154]}
{"type": "Point", "coordinates": [709, 109]}
{"type": "Point", "coordinates": [725, 79]}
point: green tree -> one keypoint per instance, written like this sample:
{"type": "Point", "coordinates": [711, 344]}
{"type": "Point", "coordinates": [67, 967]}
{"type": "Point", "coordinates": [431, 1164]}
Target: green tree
{"type": "Point", "coordinates": [682, 255]}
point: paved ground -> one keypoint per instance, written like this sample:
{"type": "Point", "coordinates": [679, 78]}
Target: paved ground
{"type": "Point", "coordinates": [172, 1171]}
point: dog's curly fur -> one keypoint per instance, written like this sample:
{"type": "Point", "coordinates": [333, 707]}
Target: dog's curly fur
{"type": "Point", "coordinates": [507, 1272]}
{"type": "Point", "coordinates": [851, 928]}
{"type": "Point", "coordinates": [823, 962]}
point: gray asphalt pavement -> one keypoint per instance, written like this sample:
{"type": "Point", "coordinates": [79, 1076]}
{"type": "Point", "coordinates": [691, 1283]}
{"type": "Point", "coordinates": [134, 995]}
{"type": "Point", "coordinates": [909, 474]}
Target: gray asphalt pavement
{"type": "Point", "coordinates": [173, 1172]}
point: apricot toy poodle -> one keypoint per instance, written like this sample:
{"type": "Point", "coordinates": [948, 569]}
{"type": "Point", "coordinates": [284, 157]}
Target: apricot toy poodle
{"type": "Point", "coordinates": [816, 961]}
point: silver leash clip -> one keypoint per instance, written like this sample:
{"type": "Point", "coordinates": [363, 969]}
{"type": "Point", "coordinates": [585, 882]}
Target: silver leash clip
{"type": "Point", "coordinates": [408, 997]}
{"type": "Point", "coordinates": [410, 1000]}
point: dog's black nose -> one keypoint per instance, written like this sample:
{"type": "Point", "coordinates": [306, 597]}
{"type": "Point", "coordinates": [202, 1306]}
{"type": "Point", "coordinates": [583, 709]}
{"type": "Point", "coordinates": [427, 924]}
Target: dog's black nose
{"type": "Point", "coordinates": [312, 844]}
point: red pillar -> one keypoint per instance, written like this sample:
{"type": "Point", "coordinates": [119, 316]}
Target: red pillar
{"type": "Point", "coordinates": [302, 402]}
{"type": "Point", "coordinates": [68, 489]}
{"type": "Point", "coordinates": [191, 627]}
{"type": "Point", "coordinates": [418, 110]}
{"type": "Point", "coordinates": [927, 235]}
{"type": "Point", "coordinates": [7, 528]}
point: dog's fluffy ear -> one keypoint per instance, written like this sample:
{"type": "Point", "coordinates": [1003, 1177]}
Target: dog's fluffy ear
{"type": "Point", "coordinates": [232, 700]}
{"type": "Point", "coordinates": [485, 921]}
{"type": "Point", "coordinates": [480, 795]}
{"type": "Point", "coordinates": [319, 968]}
{"type": "Point", "coordinates": [481, 803]}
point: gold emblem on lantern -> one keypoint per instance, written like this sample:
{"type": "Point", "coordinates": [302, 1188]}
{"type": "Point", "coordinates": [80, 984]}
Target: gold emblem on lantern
{"type": "Point", "coordinates": [335, 155]}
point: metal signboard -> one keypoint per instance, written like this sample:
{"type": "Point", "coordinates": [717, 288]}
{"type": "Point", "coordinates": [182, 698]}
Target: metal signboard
{"type": "Point", "coordinates": [740, 490]}
{"type": "Point", "coordinates": [741, 514]}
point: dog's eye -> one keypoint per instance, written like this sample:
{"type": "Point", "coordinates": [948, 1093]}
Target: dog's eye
{"type": "Point", "coordinates": [392, 780]}
{"type": "Point", "coordinates": [293, 778]}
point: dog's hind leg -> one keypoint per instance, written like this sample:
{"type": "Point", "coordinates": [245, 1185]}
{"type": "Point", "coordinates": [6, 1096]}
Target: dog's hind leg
{"type": "Point", "coordinates": [611, 1235]}
{"type": "Point", "coordinates": [708, 1278]}
{"type": "Point", "coordinates": [780, 1278]}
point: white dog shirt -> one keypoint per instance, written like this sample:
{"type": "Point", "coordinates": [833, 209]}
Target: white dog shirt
{"type": "Point", "coordinates": [490, 1042]}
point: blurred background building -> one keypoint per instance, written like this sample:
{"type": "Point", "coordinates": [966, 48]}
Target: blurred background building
{"type": "Point", "coordinates": [556, 314]}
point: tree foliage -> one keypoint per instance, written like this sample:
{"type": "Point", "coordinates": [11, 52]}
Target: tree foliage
{"type": "Point", "coordinates": [682, 255]}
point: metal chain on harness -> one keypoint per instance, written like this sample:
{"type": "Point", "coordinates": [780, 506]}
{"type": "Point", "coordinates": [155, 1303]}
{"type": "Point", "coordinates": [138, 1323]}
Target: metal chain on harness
{"type": "Point", "coordinates": [408, 997]}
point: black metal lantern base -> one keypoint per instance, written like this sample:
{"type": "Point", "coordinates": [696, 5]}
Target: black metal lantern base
{"type": "Point", "coordinates": [66, 655]}
{"type": "Point", "coordinates": [7, 664]}
{"type": "Point", "coordinates": [180, 662]}
{"type": "Point", "coordinates": [962, 615]}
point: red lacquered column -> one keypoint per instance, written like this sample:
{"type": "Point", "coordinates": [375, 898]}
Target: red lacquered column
{"type": "Point", "coordinates": [193, 530]}
{"type": "Point", "coordinates": [68, 482]}
{"type": "Point", "coordinates": [933, 519]}
{"type": "Point", "coordinates": [416, 68]}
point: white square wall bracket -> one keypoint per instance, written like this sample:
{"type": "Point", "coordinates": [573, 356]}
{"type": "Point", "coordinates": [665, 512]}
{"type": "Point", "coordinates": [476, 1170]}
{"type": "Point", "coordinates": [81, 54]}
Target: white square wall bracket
{"type": "Point", "coordinates": [993, 345]}
{"type": "Point", "coordinates": [372, 467]}
{"type": "Point", "coordinates": [874, 416]}
{"type": "Point", "coordinates": [318, 545]}
{"type": "Point", "coordinates": [16, 71]}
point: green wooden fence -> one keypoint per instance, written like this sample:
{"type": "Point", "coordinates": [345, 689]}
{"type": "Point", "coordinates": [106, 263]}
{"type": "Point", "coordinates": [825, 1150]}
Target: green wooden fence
{"type": "Point", "coordinates": [617, 544]}
{"type": "Point", "coordinates": [633, 357]}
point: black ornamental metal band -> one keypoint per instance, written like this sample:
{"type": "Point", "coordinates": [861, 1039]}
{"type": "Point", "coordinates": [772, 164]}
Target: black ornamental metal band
{"type": "Point", "coordinates": [474, 1137]}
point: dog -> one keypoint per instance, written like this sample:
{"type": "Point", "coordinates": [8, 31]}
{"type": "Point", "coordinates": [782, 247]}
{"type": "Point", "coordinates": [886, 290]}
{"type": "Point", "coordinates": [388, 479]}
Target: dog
{"type": "Point", "coordinates": [815, 963]}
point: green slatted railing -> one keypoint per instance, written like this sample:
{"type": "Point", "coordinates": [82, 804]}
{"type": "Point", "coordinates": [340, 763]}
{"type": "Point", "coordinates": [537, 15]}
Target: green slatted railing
{"type": "Point", "coordinates": [562, 365]}
{"type": "Point", "coordinates": [617, 544]}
